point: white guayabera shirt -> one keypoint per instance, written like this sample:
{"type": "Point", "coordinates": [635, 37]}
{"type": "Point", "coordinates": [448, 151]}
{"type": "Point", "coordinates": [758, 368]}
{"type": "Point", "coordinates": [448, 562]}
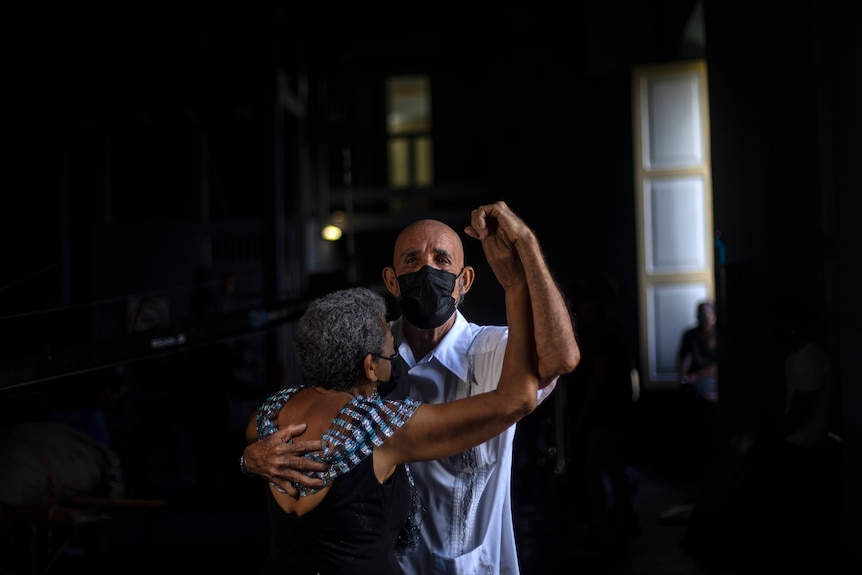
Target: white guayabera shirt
{"type": "Point", "coordinates": [467, 522]}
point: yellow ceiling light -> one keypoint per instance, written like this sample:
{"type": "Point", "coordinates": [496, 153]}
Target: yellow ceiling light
{"type": "Point", "coordinates": [331, 233]}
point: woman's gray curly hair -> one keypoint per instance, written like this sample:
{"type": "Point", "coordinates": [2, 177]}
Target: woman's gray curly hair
{"type": "Point", "coordinates": [335, 334]}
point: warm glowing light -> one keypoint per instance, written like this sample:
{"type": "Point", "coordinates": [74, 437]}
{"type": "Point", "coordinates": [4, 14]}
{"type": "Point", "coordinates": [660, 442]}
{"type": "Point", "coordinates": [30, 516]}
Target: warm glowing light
{"type": "Point", "coordinates": [331, 233]}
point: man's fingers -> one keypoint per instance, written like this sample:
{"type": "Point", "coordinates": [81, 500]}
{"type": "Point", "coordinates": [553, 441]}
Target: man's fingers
{"type": "Point", "coordinates": [288, 481]}
{"type": "Point", "coordinates": [486, 220]}
{"type": "Point", "coordinates": [282, 435]}
{"type": "Point", "coordinates": [304, 463]}
{"type": "Point", "coordinates": [478, 227]}
{"type": "Point", "coordinates": [288, 488]}
{"type": "Point", "coordinates": [302, 479]}
{"type": "Point", "coordinates": [299, 448]}
{"type": "Point", "coordinates": [295, 429]}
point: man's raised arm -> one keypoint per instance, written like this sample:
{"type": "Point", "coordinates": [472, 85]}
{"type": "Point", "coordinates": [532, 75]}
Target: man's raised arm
{"type": "Point", "coordinates": [499, 229]}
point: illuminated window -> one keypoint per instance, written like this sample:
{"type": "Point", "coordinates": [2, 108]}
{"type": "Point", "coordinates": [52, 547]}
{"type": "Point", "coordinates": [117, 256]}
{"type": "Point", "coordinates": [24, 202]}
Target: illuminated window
{"type": "Point", "coordinates": [408, 127]}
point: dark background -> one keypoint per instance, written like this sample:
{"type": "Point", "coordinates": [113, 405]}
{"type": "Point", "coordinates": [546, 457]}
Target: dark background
{"type": "Point", "coordinates": [148, 158]}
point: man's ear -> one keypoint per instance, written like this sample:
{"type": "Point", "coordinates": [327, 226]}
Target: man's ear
{"type": "Point", "coordinates": [466, 279]}
{"type": "Point", "coordinates": [391, 281]}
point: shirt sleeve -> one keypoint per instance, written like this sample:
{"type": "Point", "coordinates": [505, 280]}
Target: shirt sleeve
{"type": "Point", "coordinates": [545, 392]}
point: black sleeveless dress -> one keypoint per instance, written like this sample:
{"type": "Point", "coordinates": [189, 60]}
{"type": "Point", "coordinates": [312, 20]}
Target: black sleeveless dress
{"type": "Point", "coordinates": [360, 524]}
{"type": "Point", "coordinates": [354, 529]}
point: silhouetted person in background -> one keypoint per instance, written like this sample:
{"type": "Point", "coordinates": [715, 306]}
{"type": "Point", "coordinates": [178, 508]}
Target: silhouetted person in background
{"type": "Point", "coordinates": [697, 359]}
{"type": "Point", "coordinates": [793, 489]}
{"type": "Point", "coordinates": [602, 411]}
{"type": "Point", "coordinates": [697, 368]}
{"type": "Point", "coordinates": [697, 372]}
{"type": "Point", "coordinates": [779, 506]}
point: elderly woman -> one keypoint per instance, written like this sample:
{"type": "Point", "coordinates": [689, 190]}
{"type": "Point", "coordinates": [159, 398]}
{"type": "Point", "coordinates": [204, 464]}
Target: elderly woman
{"type": "Point", "coordinates": [366, 512]}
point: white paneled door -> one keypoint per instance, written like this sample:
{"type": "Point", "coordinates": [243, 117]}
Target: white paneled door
{"type": "Point", "coordinates": [673, 201]}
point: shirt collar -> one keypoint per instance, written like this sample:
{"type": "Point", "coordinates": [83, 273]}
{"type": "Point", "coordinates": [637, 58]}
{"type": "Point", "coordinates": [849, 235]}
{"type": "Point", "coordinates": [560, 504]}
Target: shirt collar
{"type": "Point", "coordinates": [451, 352]}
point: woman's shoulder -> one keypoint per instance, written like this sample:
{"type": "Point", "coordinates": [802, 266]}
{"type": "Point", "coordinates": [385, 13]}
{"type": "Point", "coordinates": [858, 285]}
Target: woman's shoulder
{"type": "Point", "coordinates": [313, 406]}
{"type": "Point", "coordinates": [363, 424]}
{"type": "Point", "coordinates": [267, 413]}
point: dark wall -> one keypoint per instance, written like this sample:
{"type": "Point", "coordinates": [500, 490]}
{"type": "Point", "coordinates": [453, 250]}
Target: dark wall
{"type": "Point", "coordinates": [784, 105]}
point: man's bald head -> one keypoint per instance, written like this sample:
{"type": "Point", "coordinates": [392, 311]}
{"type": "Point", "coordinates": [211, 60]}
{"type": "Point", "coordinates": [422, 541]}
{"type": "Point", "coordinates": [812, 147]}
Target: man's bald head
{"type": "Point", "coordinates": [430, 241]}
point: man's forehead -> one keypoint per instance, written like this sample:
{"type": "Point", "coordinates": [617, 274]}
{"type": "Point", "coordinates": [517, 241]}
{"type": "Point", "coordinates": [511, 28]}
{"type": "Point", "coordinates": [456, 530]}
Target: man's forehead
{"type": "Point", "coordinates": [427, 237]}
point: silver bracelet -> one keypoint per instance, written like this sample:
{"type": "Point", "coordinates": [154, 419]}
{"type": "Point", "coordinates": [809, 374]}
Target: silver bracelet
{"type": "Point", "coordinates": [242, 466]}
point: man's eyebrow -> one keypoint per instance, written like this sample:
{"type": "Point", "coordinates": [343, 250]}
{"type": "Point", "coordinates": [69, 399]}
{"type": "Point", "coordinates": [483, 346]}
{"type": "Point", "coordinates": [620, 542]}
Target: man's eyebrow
{"type": "Point", "coordinates": [436, 251]}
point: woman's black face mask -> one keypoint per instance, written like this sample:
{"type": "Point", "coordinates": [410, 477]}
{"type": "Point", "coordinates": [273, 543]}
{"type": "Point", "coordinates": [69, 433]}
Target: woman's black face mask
{"type": "Point", "coordinates": [426, 297]}
{"type": "Point", "coordinates": [385, 387]}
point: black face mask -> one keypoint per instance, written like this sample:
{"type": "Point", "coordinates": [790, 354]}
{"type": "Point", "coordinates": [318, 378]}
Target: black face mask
{"type": "Point", "coordinates": [426, 297]}
{"type": "Point", "coordinates": [385, 387]}
{"type": "Point", "coordinates": [394, 370]}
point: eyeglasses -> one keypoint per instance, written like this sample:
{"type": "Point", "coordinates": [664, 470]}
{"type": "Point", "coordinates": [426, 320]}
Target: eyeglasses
{"type": "Point", "coordinates": [395, 370]}
{"type": "Point", "coordinates": [393, 357]}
